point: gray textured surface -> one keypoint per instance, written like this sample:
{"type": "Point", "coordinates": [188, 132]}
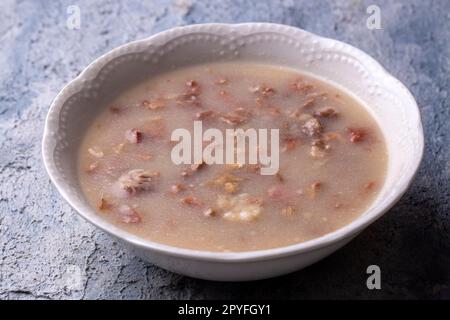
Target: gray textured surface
{"type": "Point", "coordinates": [47, 251]}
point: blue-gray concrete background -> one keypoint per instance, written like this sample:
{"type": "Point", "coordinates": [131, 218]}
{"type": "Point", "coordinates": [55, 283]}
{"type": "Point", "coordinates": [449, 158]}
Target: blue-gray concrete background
{"type": "Point", "coordinates": [48, 252]}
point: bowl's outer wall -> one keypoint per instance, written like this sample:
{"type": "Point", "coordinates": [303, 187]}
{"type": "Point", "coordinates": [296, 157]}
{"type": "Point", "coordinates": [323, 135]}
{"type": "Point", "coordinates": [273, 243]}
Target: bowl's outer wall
{"type": "Point", "coordinates": [237, 271]}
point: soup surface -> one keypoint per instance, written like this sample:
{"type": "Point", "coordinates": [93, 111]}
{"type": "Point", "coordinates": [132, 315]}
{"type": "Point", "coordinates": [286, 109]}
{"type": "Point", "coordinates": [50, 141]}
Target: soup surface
{"type": "Point", "coordinates": [332, 159]}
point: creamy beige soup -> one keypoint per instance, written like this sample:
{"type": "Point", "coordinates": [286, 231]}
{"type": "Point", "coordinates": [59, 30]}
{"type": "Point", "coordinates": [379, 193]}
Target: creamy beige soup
{"type": "Point", "coordinates": [332, 159]}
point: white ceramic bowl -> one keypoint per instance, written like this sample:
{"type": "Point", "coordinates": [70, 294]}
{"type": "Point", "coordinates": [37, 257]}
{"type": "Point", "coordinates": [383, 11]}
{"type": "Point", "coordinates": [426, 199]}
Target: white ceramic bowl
{"type": "Point", "coordinates": [352, 70]}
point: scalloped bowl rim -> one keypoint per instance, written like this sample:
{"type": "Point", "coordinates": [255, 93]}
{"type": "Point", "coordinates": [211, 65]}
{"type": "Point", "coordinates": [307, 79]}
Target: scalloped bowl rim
{"type": "Point", "coordinates": [342, 233]}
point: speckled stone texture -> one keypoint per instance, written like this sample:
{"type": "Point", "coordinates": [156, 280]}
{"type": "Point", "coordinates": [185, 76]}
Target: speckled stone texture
{"type": "Point", "coordinates": [48, 252]}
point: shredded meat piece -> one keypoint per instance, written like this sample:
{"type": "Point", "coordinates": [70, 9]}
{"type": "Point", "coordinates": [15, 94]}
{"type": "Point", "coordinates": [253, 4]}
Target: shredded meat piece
{"type": "Point", "coordinates": [301, 86]}
{"type": "Point", "coordinates": [357, 134]}
{"type": "Point", "coordinates": [202, 115]}
{"type": "Point", "coordinates": [331, 136]}
{"type": "Point", "coordinates": [300, 115]}
{"type": "Point", "coordinates": [319, 148]}
{"type": "Point", "coordinates": [194, 167]}
{"type": "Point", "coordinates": [295, 114]}
{"type": "Point", "coordinates": [136, 181]}
{"type": "Point", "coordinates": [281, 193]}
{"type": "Point", "coordinates": [115, 110]}
{"type": "Point", "coordinates": [253, 167]}
{"type": "Point", "coordinates": [312, 127]}
{"type": "Point", "coordinates": [145, 156]}
{"type": "Point", "coordinates": [326, 112]}
{"type": "Point", "coordinates": [368, 187]}
{"type": "Point", "coordinates": [263, 90]}
{"type": "Point", "coordinates": [209, 212]}
{"type": "Point", "coordinates": [154, 104]}
{"type": "Point", "coordinates": [313, 189]}
{"type": "Point", "coordinates": [104, 205]}
{"type": "Point", "coordinates": [189, 100]}
{"type": "Point", "coordinates": [274, 111]}
{"type": "Point", "coordinates": [317, 95]}
{"type": "Point", "coordinates": [177, 188]}
{"type": "Point", "coordinates": [197, 166]}
{"type": "Point", "coordinates": [191, 95]}
{"type": "Point", "coordinates": [308, 103]}
{"type": "Point", "coordinates": [191, 201]}
{"type": "Point", "coordinates": [193, 86]}
{"type": "Point", "coordinates": [289, 144]}
{"type": "Point", "coordinates": [267, 91]}
{"type": "Point", "coordinates": [237, 116]}
{"type": "Point", "coordinates": [133, 136]}
{"type": "Point", "coordinates": [128, 214]}
{"type": "Point", "coordinates": [279, 177]}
